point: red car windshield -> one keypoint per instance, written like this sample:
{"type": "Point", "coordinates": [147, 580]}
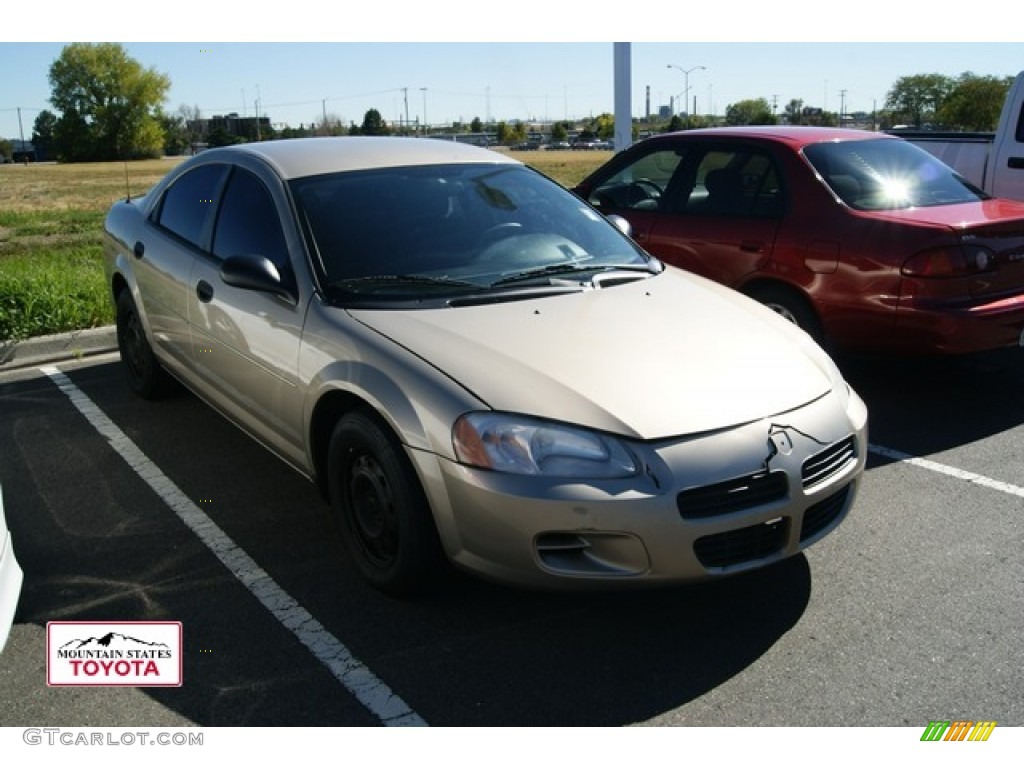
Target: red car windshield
{"type": "Point", "coordinates": [880, 174]}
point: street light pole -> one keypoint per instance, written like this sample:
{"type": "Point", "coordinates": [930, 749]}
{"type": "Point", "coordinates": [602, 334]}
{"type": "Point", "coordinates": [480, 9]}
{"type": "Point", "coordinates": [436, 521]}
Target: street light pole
{"type": "Point", "coordinates": [686, 87]}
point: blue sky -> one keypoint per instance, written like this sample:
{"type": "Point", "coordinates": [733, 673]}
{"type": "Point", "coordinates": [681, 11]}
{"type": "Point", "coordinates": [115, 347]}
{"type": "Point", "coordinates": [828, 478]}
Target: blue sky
{"type": "Point", "coordinates": [564, 71]}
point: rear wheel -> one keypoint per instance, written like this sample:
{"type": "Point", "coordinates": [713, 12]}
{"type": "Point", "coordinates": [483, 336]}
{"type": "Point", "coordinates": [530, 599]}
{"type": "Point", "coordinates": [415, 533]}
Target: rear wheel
{"type": "Point", "coordinates": [380, 509]}
{"type": "Point", "coordinates": [790, 305]}
{"type": "Point", "coordinates": [145, 376]}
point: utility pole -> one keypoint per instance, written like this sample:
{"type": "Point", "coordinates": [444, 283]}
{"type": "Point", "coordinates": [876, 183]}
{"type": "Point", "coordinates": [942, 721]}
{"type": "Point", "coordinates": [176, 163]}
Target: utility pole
{"type": "Point", "coordinates": [258, 112]}
{"type": "Point", "coordinates": [425, 124]}
{"type": "Point", "coordinates": [842, 106]}
{"type": "Point", "coordinates": [21, 135]}
{"type": "Point", "coordinates": [405, 97]}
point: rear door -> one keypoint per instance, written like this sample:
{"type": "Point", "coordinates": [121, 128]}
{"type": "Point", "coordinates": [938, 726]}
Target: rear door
{"type": "Point", "coordinates": [177, 229]}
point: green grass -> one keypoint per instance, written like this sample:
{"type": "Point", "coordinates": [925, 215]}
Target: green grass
{"type": "Point", "coordinates": [53, 290]}
{"type": "Point", "coordinates": [51, 225]}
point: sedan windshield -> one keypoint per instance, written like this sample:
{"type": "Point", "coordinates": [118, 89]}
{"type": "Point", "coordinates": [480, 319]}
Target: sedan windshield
{"type": "Point", "coordinates": [875, 175]}
{"type": "Point", "coordinates": [438, 232]}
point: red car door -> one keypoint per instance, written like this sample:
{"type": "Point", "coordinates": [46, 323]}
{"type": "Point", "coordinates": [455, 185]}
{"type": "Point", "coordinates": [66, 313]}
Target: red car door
{"type": "Point", "coordinates": [722, 215]}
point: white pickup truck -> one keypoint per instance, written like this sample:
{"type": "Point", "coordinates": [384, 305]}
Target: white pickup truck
{"type": "Point", "coordinates": [992, 161]}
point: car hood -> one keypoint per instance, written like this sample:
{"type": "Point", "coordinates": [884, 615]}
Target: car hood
{"type": "Point", "coordinates": [665, 356]}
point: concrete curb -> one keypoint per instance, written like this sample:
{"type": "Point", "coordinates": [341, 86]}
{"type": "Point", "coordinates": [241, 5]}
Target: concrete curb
{"type": "Point", "coordinates": [41, 350]}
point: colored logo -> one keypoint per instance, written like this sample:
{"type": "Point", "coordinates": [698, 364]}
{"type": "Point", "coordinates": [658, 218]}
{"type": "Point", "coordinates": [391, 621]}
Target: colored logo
{"type": "Point", "coordinates": [958, 730]}
{"type": "Point", "coordinates": [132, 653]}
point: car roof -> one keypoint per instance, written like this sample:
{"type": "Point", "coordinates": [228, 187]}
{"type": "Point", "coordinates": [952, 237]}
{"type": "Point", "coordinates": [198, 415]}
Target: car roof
{"type": "Point", "coordinates": [297, 158]}
{"type": "Point", "coordinates": [793, 135]}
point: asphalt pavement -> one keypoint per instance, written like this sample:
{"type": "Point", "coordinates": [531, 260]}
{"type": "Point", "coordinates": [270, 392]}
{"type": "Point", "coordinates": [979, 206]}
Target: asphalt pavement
{"type": "Point", "coordinates": [911, 611]}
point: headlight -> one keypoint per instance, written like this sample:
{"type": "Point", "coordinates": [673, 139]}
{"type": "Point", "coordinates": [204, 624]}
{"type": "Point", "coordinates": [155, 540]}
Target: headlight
{"type": "Point", "coordinates": [521, 445]}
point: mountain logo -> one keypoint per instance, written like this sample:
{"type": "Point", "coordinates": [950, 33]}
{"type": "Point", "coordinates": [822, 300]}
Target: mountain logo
{"type": "Point", "coordinates": [133, 653]}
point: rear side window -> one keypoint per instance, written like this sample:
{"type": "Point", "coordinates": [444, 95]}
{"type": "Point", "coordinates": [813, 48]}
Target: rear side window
{"type": "Point", "coordinates": [189, 203]}
{"type": "Point", "coordinates": [736, 182]}
{"type": "Point", "coordinates": [248, 223]}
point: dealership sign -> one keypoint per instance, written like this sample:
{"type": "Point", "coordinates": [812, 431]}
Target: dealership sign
{"type": "Point", "coordinates": [134, 653]}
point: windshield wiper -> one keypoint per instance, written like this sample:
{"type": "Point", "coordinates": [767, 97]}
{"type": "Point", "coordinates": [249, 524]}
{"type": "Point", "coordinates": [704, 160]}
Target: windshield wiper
{"type": "Point", "coordinates": [355, 283]}
{"type": "Point", "coordinates": [653, 267]}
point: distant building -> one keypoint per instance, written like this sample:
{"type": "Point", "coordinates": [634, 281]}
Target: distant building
{"type": "Point", "coordinates": [233, 124]}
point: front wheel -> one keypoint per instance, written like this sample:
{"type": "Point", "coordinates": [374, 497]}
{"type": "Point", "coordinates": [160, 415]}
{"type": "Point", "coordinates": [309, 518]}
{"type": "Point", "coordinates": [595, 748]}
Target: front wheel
{"type": "Point", "coordinates": [379, 507]}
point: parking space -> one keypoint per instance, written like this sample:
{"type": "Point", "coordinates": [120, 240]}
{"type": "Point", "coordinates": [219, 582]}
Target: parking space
{"type": "Point", "coordinates": [911, 610]}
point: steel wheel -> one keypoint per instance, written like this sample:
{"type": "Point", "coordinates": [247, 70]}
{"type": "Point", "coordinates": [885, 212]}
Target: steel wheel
{"type": "Point", "coordinates": [381, 512]}
{"type": "Point", "coordinates": [373, 515]}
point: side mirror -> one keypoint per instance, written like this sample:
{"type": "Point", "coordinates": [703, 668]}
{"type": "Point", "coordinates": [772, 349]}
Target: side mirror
{"type": "Point", "coordinates": [621, 224]}
{"type": "Point", "coordinates": [255, 273]}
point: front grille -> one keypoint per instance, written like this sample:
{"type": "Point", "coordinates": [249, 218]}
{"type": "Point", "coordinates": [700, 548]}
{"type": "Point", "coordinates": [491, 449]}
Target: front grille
{"type": "Point", "coordinates": [823, 465]}
{"type": "Point", "coordinates": [732, 495]}
{"type": "Point", "coordinates": [724, 549]}
{"type": "Point", "coordinates": [821, 515]}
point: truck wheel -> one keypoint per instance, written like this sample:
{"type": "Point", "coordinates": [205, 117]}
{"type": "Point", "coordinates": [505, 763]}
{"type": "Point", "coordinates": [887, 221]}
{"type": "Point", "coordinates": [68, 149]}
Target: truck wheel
{"type": "Point", "coordinates": [379, 507]}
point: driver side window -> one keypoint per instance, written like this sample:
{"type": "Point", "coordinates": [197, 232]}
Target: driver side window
{"type": "Point", "coordinates": [641, 185]}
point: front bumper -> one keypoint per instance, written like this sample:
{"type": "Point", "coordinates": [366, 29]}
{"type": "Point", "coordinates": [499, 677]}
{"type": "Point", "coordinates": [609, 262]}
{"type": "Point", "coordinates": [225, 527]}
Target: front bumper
{"type": "Point", "coordinates": [703, 506]}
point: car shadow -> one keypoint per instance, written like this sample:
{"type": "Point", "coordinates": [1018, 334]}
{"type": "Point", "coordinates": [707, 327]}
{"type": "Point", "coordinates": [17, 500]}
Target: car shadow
{"type": "Point", "coordinates": [927, 405]}
{"type": "Point", "coordinates": [601, 659]}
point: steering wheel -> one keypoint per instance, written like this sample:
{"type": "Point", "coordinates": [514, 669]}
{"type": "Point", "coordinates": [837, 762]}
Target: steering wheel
{"type": "Point", "coordinates": [650, 185]}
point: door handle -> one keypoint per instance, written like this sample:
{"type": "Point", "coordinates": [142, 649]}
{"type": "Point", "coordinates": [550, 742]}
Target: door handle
{"type": "Point", "coordinates": [138, 249]}
{"type": "Point", "coordinates": [752, 246]}
{"type": "Point", "coordinates": [1015, 162]}
{"type": "Point", "coordinates": [204, 291]}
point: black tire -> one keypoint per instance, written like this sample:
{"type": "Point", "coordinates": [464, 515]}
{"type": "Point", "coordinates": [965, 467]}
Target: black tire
{"type": "Point", "coordinates": [379, 508]}
{"type": "Point", "coordinates": [146, 377]}
{"type": "Point", "coordinates": [792, 306]}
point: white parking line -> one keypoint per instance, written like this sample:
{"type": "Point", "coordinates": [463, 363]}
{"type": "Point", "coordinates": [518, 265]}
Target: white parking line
{"type": "Point", "coordinates": [934, 466]}
{"type": "Point", "coordinates": [328, 650]}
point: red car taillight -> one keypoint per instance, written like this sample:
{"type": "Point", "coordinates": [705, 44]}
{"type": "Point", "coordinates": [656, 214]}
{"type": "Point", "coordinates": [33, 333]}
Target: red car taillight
{"type": "Point", "coordinates": [950, 261]}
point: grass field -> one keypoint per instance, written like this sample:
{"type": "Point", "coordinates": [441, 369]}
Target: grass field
{"type": "Point", "coordinates": [51, 219]}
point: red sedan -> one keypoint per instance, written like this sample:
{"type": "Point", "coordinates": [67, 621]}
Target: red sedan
{"type": "Point", "coordinates": [864, 240]}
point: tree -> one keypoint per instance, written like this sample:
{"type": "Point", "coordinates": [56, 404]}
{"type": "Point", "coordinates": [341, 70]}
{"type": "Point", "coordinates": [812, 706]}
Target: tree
{"type": "Point", "coordinates": [373, 124]}
{"type": "Point", "coordinates": [915, 99]}
{"type": "Point", "coordinates": [219, 137]}
{"type": "Point", "coordinates": [750, 112]}
{"type": "Point", "coordinates": [476, 126]}
{"type": "Point", "coordinates": [604, 125]}
{"type": "Point", "coordinates": [192, 119]}
{"type": "Point", "coordinates": [794, 112]}
{"type": "Point", "coordinates": [175, 133]}
{"type": "Point", "coordinates": [6, 150]}
{"type": "Point", "coordinates": [975, 103]}
{"type": "Point", "coordinates": [108, 103]}
{"type": "Point", "coordinates": [43, 134]}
